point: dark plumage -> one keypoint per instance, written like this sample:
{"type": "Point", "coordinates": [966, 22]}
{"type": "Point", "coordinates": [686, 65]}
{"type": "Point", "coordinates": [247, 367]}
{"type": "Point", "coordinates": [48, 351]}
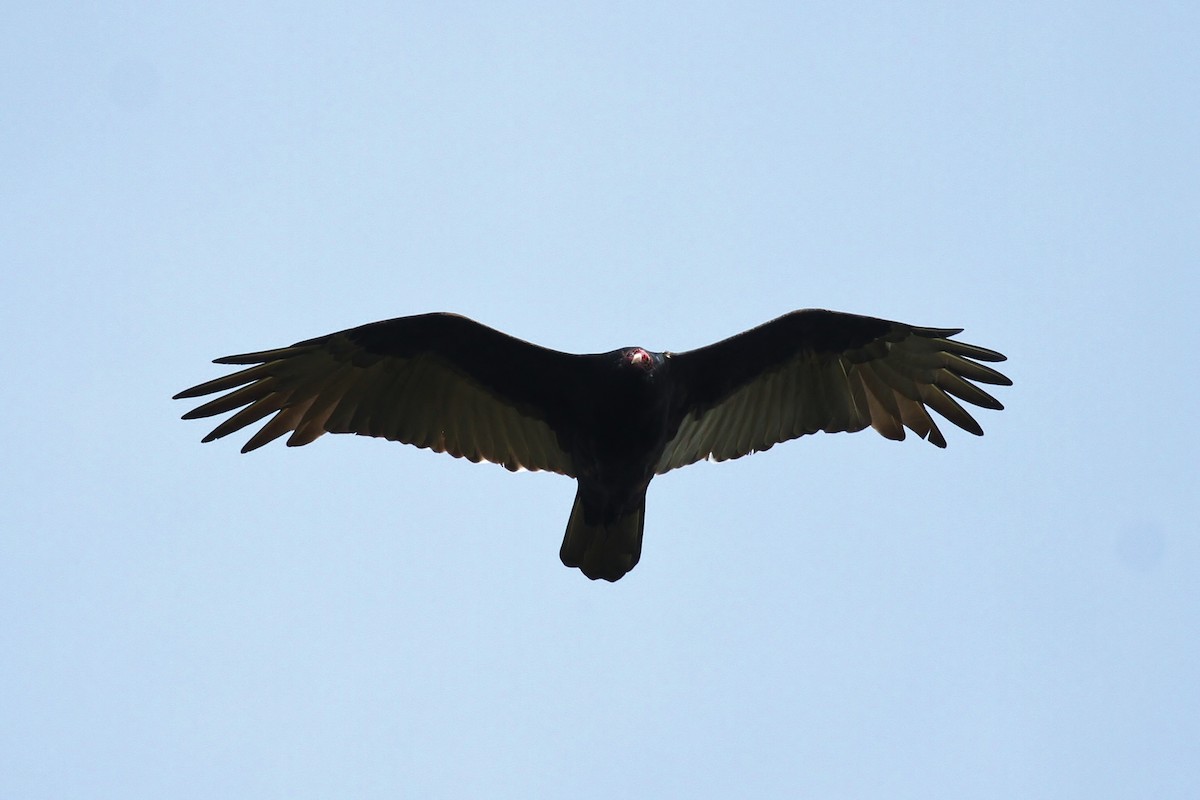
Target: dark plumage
{"type": "Point", "coordinates": [611, 420]}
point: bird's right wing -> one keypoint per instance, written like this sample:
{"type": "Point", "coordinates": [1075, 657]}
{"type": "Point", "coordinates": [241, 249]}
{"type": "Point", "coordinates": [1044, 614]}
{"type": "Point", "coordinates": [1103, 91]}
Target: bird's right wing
{"type": "Point", "coordinates": [817, 370]}
{"type": "Point", "coordinates": [439, 381]}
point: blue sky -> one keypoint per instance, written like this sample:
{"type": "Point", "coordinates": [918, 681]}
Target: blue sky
{"type": "Point", "coordinates": [843, 616]}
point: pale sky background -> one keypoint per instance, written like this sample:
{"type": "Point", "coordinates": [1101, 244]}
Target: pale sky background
{"type": "Point", "coordinates": [843, 617]}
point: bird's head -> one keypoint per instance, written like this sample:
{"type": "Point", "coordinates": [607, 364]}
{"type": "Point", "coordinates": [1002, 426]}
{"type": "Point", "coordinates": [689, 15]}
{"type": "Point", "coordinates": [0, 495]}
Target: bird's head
{"type": "Point", "coordinates": [639, 357]}
{"type": "Point", "coordinates": [641, 360]}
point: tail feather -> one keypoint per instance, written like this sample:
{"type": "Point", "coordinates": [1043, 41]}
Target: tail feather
{"type": "Point", "coordinates": [603, 548]}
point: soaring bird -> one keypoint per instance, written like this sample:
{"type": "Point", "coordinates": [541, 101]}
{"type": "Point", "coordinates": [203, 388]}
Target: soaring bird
{"type": "Point", "coordinates": [610, 420]}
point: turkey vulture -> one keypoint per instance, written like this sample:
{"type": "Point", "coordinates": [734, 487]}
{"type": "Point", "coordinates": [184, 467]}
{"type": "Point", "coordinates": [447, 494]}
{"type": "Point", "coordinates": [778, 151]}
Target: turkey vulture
{"type": "Point", "coordinates": [610, 420]}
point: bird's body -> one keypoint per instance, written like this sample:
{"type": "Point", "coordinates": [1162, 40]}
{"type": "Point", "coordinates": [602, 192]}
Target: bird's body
{"type": "Point", "coordinates": [624, 425]}
{"type": "Point", "coordinates": [611, 420]}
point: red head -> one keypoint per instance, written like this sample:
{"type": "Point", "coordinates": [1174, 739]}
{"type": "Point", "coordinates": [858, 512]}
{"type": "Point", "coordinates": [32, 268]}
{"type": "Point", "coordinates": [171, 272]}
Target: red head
{"type": "Point", "coordinates": [638, 357]}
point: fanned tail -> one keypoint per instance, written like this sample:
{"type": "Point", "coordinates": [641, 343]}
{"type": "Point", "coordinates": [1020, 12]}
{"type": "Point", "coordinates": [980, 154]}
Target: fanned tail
{"type": "Point", "coordinates": [604, 548]}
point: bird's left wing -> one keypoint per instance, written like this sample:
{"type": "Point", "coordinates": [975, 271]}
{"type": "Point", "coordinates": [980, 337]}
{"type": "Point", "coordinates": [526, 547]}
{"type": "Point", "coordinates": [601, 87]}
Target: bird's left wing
{"type": "Point", "coordinates": [817, 370]}
{"type": "Point", "coordinates": [439, 381]}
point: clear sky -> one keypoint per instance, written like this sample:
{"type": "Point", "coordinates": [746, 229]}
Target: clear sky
{"type": "Point", "coordinates": [843, 617]}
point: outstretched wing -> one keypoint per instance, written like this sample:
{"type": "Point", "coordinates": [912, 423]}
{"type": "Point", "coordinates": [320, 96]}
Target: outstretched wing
{"type": "Point", "coordinates": [439, 381]}
{"type": "Point", "coordinates": [817, 370]}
